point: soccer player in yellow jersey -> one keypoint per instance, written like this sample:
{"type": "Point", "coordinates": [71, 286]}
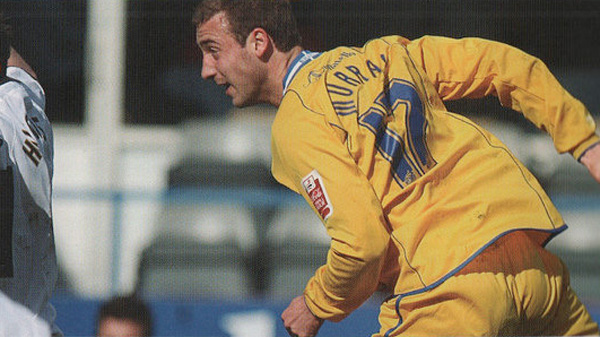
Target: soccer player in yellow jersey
{"type": "Point", "coordinates": [417, 200]}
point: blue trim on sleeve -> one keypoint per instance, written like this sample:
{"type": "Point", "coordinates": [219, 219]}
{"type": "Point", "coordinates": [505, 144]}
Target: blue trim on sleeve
{"type": "Point", "coordinates": [553, 232]}
{"type": "Point", "coordinates": [586, 150]}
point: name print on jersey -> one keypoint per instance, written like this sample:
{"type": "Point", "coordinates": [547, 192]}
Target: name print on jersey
{"type": "Point", "coordinates": [315, 74]}
{"type": "Point", "coordinates": [313, 185]}
{"type": "Point", "coordinates": [30, 145]}
{"type": "Point", "coordinates": [396, 117]}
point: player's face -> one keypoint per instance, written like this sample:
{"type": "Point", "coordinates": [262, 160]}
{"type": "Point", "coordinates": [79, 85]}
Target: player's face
{"type": "Point", "coordinates": [227, 62]}
{"type": "Point", "coordinates": [116, 327]}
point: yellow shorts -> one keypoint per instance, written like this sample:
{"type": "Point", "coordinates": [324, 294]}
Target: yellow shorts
{"type": "Point", "coordinates": [514, 287]}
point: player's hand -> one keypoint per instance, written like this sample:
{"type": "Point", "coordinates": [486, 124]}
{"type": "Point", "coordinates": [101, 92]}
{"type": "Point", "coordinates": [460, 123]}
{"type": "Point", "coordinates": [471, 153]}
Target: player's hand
{"type": "Point", "coordinates": [591, 160]}
{"type": "Point", "coordinates": [299, 321]}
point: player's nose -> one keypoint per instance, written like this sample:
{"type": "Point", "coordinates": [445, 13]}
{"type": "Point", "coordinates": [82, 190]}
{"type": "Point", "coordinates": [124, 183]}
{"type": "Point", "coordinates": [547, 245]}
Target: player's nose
{"type": "Point", "coordinates": [208, 69]}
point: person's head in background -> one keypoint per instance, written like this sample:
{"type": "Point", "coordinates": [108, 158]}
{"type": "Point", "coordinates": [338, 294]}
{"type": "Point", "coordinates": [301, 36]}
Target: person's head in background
{"type": "Point", "coordinates": [124, 316]}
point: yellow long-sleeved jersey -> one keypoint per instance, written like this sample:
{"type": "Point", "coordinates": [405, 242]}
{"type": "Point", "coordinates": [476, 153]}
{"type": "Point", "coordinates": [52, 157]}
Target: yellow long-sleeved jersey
{"type": "Point", "coordinates": [410, 192]}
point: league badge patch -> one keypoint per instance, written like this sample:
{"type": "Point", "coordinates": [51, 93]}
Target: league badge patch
{"type": "Point", "coordinates": [313, 185]}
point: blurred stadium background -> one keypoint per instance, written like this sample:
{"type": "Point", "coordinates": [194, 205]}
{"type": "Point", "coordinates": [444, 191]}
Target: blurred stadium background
{"type": "Point", "coordinates": [161, 187]}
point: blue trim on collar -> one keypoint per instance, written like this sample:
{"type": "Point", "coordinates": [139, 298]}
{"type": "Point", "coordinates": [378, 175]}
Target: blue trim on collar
{"type": "Point", "coordinates": [300, 61]}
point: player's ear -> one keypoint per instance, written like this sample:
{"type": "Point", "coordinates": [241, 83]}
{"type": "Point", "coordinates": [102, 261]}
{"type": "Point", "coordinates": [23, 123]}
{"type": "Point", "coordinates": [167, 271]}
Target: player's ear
{"type": "Point", "coordinates": [260, 43]}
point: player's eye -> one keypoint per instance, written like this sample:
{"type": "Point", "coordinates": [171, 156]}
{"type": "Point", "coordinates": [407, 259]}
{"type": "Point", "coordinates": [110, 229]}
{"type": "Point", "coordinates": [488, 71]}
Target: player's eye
{"type": "Point", "coordinates": [208, 48]}
{"type": "Point", "coordinates": [212, 51]}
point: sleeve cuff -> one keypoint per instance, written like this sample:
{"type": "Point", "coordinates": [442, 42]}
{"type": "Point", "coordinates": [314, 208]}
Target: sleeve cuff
{"type": "Point", "coordinates": [314, 297]}
{"type": "Point", "coordinates": [580, 149]}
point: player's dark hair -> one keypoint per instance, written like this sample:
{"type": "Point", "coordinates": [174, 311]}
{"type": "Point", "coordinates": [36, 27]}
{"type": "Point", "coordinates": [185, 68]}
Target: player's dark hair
{"type": "Point", "coordinates": [274, 16]}
{"type": "Point", "coordinates": [129, 307]}
{"type": "Point", "coordinates": [5, 42]}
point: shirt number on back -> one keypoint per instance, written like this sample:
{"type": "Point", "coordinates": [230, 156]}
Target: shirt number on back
{"type": "Point", "coordinates": [406, 150]}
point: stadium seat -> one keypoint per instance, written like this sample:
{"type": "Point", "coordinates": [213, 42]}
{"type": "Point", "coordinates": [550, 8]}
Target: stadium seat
{"type": "Point", "coordinates": [202, 251]}
{"type": "Point", "coordinates": [298, 244]}
{"type": "Point", "coordinates": [208, 244]}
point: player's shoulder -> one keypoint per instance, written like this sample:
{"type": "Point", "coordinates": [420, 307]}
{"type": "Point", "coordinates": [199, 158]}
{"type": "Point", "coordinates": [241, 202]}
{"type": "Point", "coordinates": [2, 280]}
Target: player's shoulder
{"type": "Point", "coordinates": [12, 106]}
{"type": "Point", "coordinates": [32, 86]}
{"type": "Point", "coordinates": [388, 40]}
{"type": "Point", "coordinates": [20, 75]}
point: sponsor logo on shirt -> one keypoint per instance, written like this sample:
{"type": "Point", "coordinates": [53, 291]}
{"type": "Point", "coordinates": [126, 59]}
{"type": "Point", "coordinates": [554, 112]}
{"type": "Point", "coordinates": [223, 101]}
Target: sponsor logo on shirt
{"type": "Point", "coordinates": [313, 185]}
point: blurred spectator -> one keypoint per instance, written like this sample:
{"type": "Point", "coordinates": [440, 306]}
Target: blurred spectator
{"type": "Point", "coordinates": [124, 316]}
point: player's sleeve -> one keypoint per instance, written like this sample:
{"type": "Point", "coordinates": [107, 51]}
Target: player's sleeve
{"type": "Point", "coordinates": [304, 142]}
{"type": "Point", "coordinates": [473, 68]}
{"type": "Point", "coordinates": [34, 89]}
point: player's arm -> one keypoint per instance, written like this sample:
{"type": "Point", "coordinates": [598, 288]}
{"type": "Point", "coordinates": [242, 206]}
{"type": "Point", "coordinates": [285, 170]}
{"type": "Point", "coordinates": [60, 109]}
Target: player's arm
{"type": "Point", "coordinates": [16, 60]}
{"type": "Point", "coordinates": [355, 221]}
{"type": "Point", "coordinates": [473, 68]}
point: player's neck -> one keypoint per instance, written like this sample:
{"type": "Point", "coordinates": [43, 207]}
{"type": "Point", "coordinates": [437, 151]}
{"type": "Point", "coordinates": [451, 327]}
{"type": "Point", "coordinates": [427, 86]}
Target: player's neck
{"type": "Point", "coordinates": [281, 64]}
